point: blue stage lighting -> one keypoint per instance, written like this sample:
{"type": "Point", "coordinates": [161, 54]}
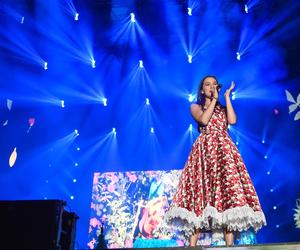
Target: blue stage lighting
{"type": "Point", "coordinates": [274, 207]}
{"type": "Point", "coordinates": [72, 197]}
{"type": "Point", "coordinates": [78, 148]}
{"type": "Point", "coordinates": [152, 130]}
{"type": "Point", "coordinates": [147, 101]}
{"type": "Point", "coordinates": [76, 16]}
{"type": "Point", "coordinates": [271, 190]}
{"type": "Point", "coordinates": [189, 11]}
{"type": "Point", "coordinates": [114, 130]}
{"type": "Point", "coordinates": [93, 63]}
{"type": "Point", "coordinates": [62, 103]}
{"type": "Point", "coordinates": [104, 102]}
{"type": "Point", "coordinates": [238, 56]}
{"type": "Point", "coordinates": [22, 19]}
{"type": "Point", "coordinates": [141, 64]}
{"type": "Point", "coordinates": [74, 180]}
{"type": "Point", "coordinates": [132, 17]}
{"type": "Point", "coordinates": [76, 132]}
{"type": "Point", "coordinates": [191, 128]}
{"type": "Point", "coordinates": [266, 157]}
{"type": "Point", "coordinates": [246, 8]}
{"type": "Point", "coordinates": [76, 164]}
{"type": "Point", "coordinates": [45, 65]}
{"type": "Point", "coordinates": [191, 98]}
{"type": "Point", "coordinates": [190, 58]}
{"type": "Point", "coordinates": [237, 143]}
{"type": "Point", "coordinates": [263, 141]}
{"type": "Point", "coordinates": [268, 173]}
{"type": "Point", "coordinates": [233, 95]}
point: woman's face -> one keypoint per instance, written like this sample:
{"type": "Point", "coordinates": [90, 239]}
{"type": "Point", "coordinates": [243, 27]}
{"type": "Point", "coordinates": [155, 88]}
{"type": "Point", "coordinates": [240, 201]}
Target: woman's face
{"type": "Point", "coordinates": [208, 86]}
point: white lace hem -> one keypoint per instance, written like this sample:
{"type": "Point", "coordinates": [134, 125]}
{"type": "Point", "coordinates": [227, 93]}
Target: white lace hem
{"type": "Point", "coordinates": [235, 219]}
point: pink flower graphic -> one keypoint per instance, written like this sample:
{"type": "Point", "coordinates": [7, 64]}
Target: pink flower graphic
{"type": "Point", "coordinates": [111, 176]}
{"type": "Point", "coordinates": [180, 243]}
{"type": "Point", "coordinates": [114, 178]}
{"type": "Point", "coordinates": [132, 177]}
{"type": "Point", "coordinates": [104, 217]}
{"type": "Point", "coordinates": [91, 244]}
{"type": "Point", "coordinates": [96, 178]}
{"type": "Point", "coordinates": [111, 188]}
{"type": "Point", "coordinates": [94, 222]}
{"type": "Point", "coordinates": [128, 243]}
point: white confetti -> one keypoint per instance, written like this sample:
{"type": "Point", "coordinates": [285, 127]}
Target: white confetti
{"type": "Point", "coordinates": [9, 104]}
{"type": "Point", "coordinates": [13, 158]}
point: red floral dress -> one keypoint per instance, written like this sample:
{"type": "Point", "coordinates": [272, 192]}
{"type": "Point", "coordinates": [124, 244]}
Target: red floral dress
{"type": "Point", "coordinates": [215, 190]}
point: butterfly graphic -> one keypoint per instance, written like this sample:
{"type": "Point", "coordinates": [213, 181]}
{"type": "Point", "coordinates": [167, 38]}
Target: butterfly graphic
{"type": "Point", "coordinates": [294, 105]}
{"type": "Point", "coordinates": [297, 214]}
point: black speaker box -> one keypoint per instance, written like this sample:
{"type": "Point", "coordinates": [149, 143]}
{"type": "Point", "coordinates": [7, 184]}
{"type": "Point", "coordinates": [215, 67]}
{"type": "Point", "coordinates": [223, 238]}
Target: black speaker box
{"type": "Point", "coordinates": [34, 224]}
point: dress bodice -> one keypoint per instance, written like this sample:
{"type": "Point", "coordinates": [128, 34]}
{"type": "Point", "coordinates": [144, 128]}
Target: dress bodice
{"type": "Point", "coordinates": [217, 122]}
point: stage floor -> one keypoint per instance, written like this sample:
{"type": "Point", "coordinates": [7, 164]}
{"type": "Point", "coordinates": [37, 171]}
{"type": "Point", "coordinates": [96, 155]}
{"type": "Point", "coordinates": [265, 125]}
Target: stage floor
{"type": "Point", "coordinates": [281, 246]}
{"type": "Point", "coordinates": [277, 246]}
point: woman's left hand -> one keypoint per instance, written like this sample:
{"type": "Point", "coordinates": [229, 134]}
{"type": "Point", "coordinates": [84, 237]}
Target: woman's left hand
{"type": "Point", "coordinates": [228, 91]}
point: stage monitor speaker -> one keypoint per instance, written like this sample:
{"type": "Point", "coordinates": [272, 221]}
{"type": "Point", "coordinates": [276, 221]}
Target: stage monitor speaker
{"type": "Point", "coordinates": [68, 232]}
{"type": "Point", "coordinates": [33, 224]}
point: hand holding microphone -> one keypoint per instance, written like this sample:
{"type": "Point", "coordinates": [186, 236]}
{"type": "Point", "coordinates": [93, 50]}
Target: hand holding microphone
{"type": "Point", "coordinates": [217, 89]}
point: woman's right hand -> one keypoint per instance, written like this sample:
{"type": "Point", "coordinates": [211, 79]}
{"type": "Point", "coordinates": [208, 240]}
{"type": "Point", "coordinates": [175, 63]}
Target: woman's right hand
{"type": "Point", "coordinates": [216, 92]}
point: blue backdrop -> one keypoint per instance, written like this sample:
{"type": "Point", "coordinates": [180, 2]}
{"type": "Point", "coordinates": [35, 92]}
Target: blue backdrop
{"type": "Point", "coordinates": [105, 85]}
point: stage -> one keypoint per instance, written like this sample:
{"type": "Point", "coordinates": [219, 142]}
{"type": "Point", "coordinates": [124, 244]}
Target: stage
{"type": "Point", "coordinates": [281, 246]}
{"type": "Point", "coordinates": [277, 246]}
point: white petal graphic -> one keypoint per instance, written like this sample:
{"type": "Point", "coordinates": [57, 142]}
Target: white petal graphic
{"type": "Point", "coordinates": [289, 97]}
{"type": "Point", "coordinates": [292, 107]}
{"type": "Point", "coordinates": [13, 158]}
{"type": "Point", "coordinates": [9, 103]}
{"type": "Point", "coordinates": [297, 116]}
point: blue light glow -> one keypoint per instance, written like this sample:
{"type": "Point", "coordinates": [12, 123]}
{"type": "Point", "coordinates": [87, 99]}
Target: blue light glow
{"type": "Point", "coordinates": [147, 101]}
{"type": "Point", "coordinates": [141, 64]}
{"type": "Point", "coordinates": [93, 63]}
{"type": "Point", "coordinates": [132, 17]}
{"type": "Point", "coordinates": [104, 100]}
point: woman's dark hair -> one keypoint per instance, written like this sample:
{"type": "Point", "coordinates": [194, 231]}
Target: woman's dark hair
{"type": "Point", "coordinates": [200, 96]}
